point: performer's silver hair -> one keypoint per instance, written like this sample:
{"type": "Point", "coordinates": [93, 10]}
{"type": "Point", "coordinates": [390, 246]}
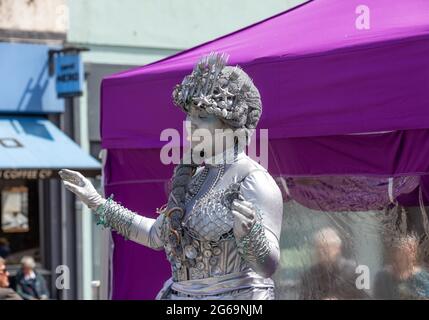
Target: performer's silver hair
{"type": "Point", "coordinates": [224, 91]}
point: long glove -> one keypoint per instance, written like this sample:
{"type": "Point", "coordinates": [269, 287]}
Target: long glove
{"type": "Point", "coordinates": [82, 188]}
{"type": "Point", "coordinates": [131, 225]}
{"type": "Point", "coordinates": [257, 222]}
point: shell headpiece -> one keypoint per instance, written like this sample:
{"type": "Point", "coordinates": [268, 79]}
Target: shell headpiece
{"type": "Point", "coordinates": [224, 91]}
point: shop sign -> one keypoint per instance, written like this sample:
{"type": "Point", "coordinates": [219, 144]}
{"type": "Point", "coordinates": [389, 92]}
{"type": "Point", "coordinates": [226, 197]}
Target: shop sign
{"type": "Point", "coordinates": [69, 75]}
{"type": "Point", "coordinates": [31, 174]}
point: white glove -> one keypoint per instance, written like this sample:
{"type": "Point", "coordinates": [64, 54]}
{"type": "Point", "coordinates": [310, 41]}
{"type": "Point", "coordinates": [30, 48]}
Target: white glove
{"type": "Point", "coordinates": [82, 188]}
{"type": "Point", "coordinates": [244, 217]}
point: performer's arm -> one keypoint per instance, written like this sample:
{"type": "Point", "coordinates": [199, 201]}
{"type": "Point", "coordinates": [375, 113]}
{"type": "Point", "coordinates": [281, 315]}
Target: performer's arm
{"type": "Point", "coordinates": [140, 229]}
{"type": "Point", "coordinates": [112, 215]}
{"type": "Point", "coordinates": [257, 225]}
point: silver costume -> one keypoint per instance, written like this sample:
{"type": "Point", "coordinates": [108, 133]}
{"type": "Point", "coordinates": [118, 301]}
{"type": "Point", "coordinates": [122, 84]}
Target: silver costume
{"type": "Point", "coordinates": [212, 266]}
{"type": "Point", "coordinates": [221, 226]}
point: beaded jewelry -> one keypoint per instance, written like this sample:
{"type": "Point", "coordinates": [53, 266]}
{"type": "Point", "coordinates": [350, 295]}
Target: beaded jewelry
{"type": "Point", "coordinates": [113, 215]}
{"type": "Point", "coordinates": [254, 246]}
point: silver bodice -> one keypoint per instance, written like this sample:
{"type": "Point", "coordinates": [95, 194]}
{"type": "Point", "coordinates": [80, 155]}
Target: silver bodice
{"type": "Point", "coordinates": [209, 223]}
{"type": "Point", "coordinates": [212, 251]}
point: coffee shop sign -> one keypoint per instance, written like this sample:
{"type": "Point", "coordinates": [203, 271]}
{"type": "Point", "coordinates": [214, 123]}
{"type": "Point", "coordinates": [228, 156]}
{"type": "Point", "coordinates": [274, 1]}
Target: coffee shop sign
{"type": "Point", "coordinates": [25, 174]}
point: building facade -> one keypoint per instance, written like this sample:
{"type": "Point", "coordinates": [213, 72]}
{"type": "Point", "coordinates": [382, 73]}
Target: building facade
{"type": "Point", "coordinates": [37, 134]}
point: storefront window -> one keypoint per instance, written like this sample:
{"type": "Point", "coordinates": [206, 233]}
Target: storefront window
{"type": "Point", "coordinates": [14, 211]}
{"type": "Point", "coordinates": [19, 225]}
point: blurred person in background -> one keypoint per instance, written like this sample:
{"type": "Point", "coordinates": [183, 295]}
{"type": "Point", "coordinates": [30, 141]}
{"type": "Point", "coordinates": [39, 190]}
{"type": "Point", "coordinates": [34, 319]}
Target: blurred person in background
{"type": "Point", "coordinates": [6, 293]}
{"type": "Point", "coordinates": [30, 285]}
{"type": "Point", "coordinates": [4, 248]}
{"type": "Point", "coordinates": [403, 277]}
{"type": "Point", "coordinates": [332, 276]}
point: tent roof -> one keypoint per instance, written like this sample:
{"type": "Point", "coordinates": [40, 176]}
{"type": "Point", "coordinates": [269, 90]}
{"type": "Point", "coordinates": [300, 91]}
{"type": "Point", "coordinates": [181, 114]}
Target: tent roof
{"type": "Point", "coordinates": [317, 73]}
{"type": "Point", "coordinates": [315, 27]}
{"type": "Point", "coordinates": [319, 77]}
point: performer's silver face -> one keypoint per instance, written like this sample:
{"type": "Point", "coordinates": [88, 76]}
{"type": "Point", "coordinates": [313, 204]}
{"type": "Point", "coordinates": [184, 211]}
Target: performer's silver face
{"type": "Point", "coordinates": [205, 131]}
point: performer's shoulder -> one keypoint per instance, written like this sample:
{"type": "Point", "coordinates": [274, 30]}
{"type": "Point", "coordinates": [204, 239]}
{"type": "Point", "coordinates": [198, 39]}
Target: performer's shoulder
{"type": "Point", "coordinates": [250, 165]}
{"type": "Point", "coordinates": [254, 172]}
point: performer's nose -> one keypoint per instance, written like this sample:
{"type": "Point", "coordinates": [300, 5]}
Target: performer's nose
{"type": "Point", "coordinates": [190, 128]}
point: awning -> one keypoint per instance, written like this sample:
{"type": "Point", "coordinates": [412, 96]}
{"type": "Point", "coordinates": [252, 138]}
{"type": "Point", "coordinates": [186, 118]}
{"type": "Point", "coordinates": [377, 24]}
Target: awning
{"type": "Point", "coordinates": [34, 148]}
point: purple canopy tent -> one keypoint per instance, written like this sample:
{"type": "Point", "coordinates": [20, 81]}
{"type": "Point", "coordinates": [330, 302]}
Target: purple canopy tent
{"type": "Point", "coordinates": [323, 82]}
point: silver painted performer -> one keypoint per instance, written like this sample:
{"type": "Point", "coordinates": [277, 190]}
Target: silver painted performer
{"type": "Point", "coordinates": [221, 226]}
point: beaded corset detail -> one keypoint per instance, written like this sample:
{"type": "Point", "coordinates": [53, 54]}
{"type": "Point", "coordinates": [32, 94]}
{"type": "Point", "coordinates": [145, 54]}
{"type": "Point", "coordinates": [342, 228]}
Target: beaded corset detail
{"type": "Point", "coordinates": [210, 219]}
{"type": "Point", "coordinates": [208, 233]}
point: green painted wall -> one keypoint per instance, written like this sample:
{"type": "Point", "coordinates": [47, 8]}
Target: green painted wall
{"type": "Point", "coordinates": [141, 31]}
{"type": "Point", "coordinates": [167, 24]}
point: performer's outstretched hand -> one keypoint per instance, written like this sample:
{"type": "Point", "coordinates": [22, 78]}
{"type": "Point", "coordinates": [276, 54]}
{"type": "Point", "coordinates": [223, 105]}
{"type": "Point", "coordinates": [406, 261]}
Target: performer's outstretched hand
{"type": "Point", "coordinates": [82, 188]}
{"type": "Point", "coordinates": [244, 217]}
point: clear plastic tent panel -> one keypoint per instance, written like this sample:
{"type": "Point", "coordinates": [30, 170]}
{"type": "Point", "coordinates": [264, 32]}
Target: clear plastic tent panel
{"type": "Point", "coordinates": [348, 238]}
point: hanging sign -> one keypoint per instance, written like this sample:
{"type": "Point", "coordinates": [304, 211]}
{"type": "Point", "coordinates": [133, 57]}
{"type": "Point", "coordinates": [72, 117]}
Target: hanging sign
{"type": "Point", "coordinates": [69, 74]}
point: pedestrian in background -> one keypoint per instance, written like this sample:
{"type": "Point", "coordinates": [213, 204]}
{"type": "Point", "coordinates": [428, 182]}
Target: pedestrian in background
{"type": "Point", "coordinates": [6, 293]}
{"type": "Point", "coordinates": [404, 277]}
{"type": "Point", "coordinates": [4, 248]}
{"type": "Point", "coordinates": [332, 277]}
{"type": "Point", "coordinates": [30, 285]}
